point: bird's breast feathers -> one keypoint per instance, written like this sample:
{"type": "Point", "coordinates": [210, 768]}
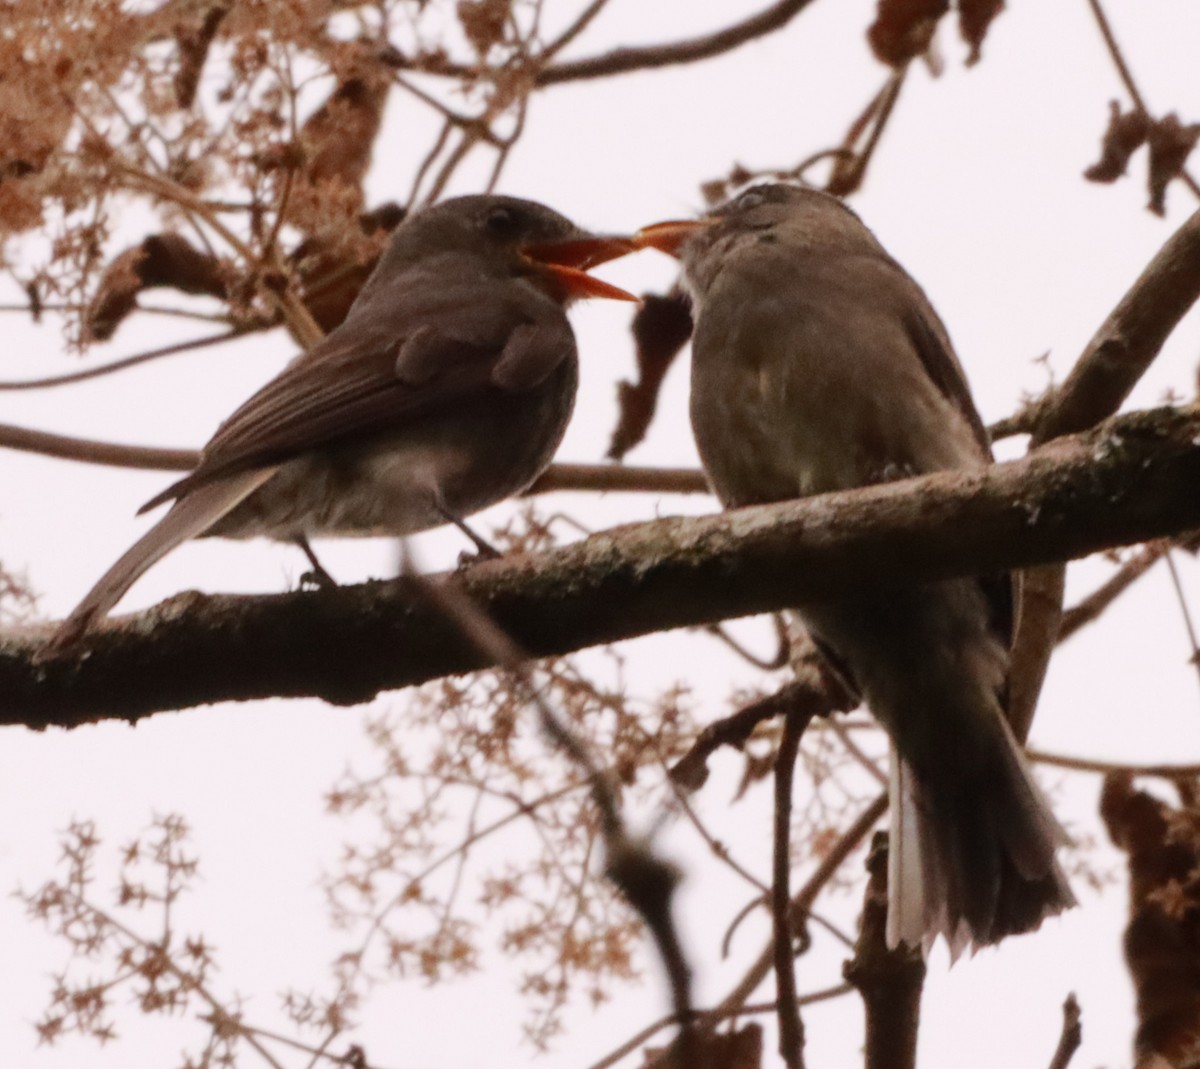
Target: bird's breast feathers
{"type": "Point", "coordinates": [844, 393]}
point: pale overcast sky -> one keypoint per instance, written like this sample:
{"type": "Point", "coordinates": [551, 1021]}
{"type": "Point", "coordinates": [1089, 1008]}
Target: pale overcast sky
{"type": "Point", "coordinates": [976, 189]}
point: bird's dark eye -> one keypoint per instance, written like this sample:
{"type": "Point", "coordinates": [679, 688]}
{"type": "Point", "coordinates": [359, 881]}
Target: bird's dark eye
{"type": "Point", "coordinates": [749, 200]}
{"type": "Point", "coordinates": [501, 222]}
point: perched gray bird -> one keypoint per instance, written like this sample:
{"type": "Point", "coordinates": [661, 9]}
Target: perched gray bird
{"type": "Point", "coordinates": [818, 364]}
{"type": "Point", "coordinates": [447, 388]}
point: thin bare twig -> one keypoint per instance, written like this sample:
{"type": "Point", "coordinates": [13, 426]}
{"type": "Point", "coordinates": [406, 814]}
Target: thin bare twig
{"type": "Point", "coordinates": [791, 1027]}
{"type": "Point", "coordinates": [718, 849]}
{"type": "Point", "coordinates": [558, 477]}
{"type": "Point", "coordinates": [855, 751]}
{"type": "Point", "coordinates": [890, 979]}
{"type": "Point", "coordinates": [92, 452]}
{"type": "Point", "coordinates": [777, 660]}
{"type": "Point", "coordinates": [851, 165]}
{"type": "Point", "coordinates": [618, 477]}
{"type": "Point", "coordinates": [574, 30]}
{"type": "Point", "coordinates": [802, 902]}
{"type": "Point", "coordinates": [1072, 1034]}
{"type": "Point", "coordinates": [127, 362]}
{"type": "Point", "coordinates": [624, 60]}
{"type": "Point", "coordinates": [1104, 768]}
{"type": "Point", "coordinates": [1194, 658]}
{"type": "Point", "coordinates": [645, 881]}
{"type": "Point", "coordinates": [1092, 606]}
{"type": "Point", "coordinates": [149, 309]}
{"type": "Point", "coordinates": [799, 696]}
{"type": "Point", "coordinates": [1118, 57]}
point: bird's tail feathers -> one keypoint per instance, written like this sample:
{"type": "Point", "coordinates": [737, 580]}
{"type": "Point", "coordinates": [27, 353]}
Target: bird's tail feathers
{"type": "Point", "coordinates": [190, 516]}
{"type": "Point", "coordinates": [977, 866]}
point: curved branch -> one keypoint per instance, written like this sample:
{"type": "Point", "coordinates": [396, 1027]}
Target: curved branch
{"type": "Point", "coordinates": [1111, 365]}
{"type": "Point", "coordinates": [1130, 482]}
{"type": "Point", "coordinates": [1128, 340]}
{"type": "Point", "coordinates": [1105, 768]}
{"type": "Point", "coordinates": [111, 454]}
{"type": "Point", "coordinates": [95, 372]}
{"type": "Point", "coordinates": [593, 477]}
{"type": "Point", "coordinates": [624, 60]}
{"type": "Point", "coordinates": [802, 903]}
{"type": "Point", "coordinates": [618, 477]}
{"type": "Point", "coordinates": [627, 59]}
{"type": "Point", "coordinates": [1092, 607]}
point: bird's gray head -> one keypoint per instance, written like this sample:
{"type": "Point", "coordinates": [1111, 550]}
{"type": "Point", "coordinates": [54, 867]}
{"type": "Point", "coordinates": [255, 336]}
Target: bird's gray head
{"type": "Point", "coordinates": [505, 237]}
{"type": "Point", "coordinates": [768, 213]}
{"type": "Point", "coordinates": [771, 203]}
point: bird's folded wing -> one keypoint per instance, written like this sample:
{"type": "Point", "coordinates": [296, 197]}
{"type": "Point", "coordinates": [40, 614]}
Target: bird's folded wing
{"type": "Point", "coordinates": [363, 382]}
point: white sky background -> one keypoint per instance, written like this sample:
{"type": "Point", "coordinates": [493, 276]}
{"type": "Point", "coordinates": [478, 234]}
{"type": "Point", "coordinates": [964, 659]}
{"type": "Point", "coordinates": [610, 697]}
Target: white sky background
{"type": "Point", "coordinates": [976, 189]}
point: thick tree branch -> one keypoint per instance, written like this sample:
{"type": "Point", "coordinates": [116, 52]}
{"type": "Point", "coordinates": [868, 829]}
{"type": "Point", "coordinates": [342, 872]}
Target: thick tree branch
{"type": "Point", "coordinates": [1111, 365]}
{"type": "Point", "coordinates": [1133, 480]}
{"type": "Point", "coordinates": [1129, 339]}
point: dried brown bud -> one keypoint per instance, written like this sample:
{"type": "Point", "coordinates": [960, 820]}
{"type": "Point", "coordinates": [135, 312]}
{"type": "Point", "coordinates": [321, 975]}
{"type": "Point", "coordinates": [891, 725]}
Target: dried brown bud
{"type": "Point", "coordinates": [1125, 135]}
{"type": "Point", "coordinates": [660, 329]}
{"type": "Point", "coordinates": [1170, 142]}
{"type": "Point", "coordinates": [160, 260]}
{"type": "Point", "coordinates": [483, 22]}
{"type": "Point", "coordinates": [974, 18]}
{"type": "Point", "coordinates": [903, 29]}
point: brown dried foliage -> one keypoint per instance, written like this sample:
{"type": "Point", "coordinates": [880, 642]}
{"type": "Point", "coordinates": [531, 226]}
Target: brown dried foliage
{"type": "Point", "coordinates": [740, 1048]}
{"type": "Point", "coordinates": [333, 264]}
{"type": "Point", "coordinates": [470, 748]}
{"type": "Point", "coordinates": [974, 18]}
{"type": "Point", "coordinates": [484, 21]}
{"type": "Point", "coordinates": [474, 810]}
{"type": "Point", "coordinates": [661, 328]}
{"type": "Point", "coordinates": [904, 29]}
{"type": "Point", "coordinates": [160, 260]}
{"type": "Point", "coordinates": [252, 124]}
{"type": "Point", "coordinates": [17, 601]}
{"type": "Point", "coordinates": [1171, 143]}
{"type": "Point", "coordinates": [1125, 134]}
{"type": "Point", "coordinates": [1162, 941]}
{"type": "Point", "coordinates": [163, 973]}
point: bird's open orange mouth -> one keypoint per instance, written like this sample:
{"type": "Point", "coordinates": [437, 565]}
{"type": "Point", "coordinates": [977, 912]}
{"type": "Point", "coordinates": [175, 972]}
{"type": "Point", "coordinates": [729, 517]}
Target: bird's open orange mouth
{"type": "Point", "coordinates": [567, 262]}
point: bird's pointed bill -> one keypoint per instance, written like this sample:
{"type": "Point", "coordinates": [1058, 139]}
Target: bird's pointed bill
{"type": "Point", "coordinates": [567, 262]}
{"type": "Point", "coordinates": [669, 237]}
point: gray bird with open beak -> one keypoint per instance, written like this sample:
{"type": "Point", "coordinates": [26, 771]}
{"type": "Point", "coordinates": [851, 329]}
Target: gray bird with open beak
{"type": "Point", "coordinates": [818, 364]}
{"type": "Point", "coordinates": [447, 388]}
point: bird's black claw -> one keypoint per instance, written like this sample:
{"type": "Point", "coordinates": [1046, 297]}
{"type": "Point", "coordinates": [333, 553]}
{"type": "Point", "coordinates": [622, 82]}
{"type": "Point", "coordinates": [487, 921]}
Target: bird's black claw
{"type": "Point", "coordinates": [317, 579]}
